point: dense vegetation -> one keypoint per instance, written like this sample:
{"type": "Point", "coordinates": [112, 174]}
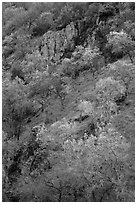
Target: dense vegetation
{"type": "Point", "coordinates": [68, 127]}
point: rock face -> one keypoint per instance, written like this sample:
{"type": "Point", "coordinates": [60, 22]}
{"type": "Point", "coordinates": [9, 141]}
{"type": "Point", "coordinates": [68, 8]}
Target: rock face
{"type": "Point", "coordinates": [55, 43]}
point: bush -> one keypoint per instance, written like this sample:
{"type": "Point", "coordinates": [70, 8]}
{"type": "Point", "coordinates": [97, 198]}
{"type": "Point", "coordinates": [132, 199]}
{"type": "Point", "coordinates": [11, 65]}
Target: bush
{"type": "Point", "coordinates": [121, 43]}
{"type": "Point", "coordinates": [16, 71]}
{"type": "Point", "coordinates": [93, 59]}
{"type": "Point", "coordinates": [125, 124]}
{"type": "Point", "coordinates": [43, 24]}
{"type": "Point", "coordinates": [83, 59]}
{"type": "Point", "coordinates": [109, 89]}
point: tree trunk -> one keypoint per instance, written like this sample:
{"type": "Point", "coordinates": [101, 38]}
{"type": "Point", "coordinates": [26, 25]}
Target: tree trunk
{"type": "Point", "coordinates": [130, 58]}
{"type": "Point", "coordinates": [93, 196]}
{"type": "Point", "coordinates": [60, 195]}
{"type": "Point", "coordinates": [17, 132]}
{"type": "Point", "coordinates": [75, 195]}
{"type": "Point", "coordinates": [42, 108]}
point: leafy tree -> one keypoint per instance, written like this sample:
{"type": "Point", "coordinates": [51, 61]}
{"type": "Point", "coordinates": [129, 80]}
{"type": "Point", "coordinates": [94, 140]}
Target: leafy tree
{"type": "Point", "coordinates": [13, 18]}
{"type": "Point", "coordinates": [22, 44]}
{"type": "Point", "coordinates": [42, 87]}
{"type": "Point", "coordinates": [8, 46]}
{"type": "Point", "coordinates": [58, 85]}
{"type": "Point", "coordinates": [16, 71]}
{"type": "Point", "coordinates": [101, 33]}
{"type": "Point", "coordinates": [43, 24]}
{"type": "Point", "coordinates": [16, 107]}
{"type": "Point", "coordinates": [17, 15]}
{"type": "Point", "coordinates": [83, 171]}
{"type": "Point", "coordinates": [109, 89]}
{"type": "Point", "coordinates": [33, 64]}
{"type": "Point", "coordinates": [70, 12]}
{"type": "Point", "coordinates": [129, 28]}
{"type": "Point", "coordinates": [77, 54]}
{"type": "Point", "coordinates": [83, 59]}
{"type": "Point", "coordinates": [124, 72]}
{"type": "Point", "coordinates": [39, 88]}
{"type": "Point", "coordinates": [122, 43]}
{"type": "Point", "coordinates": [107, 11]}
{"type": "Point", "coordinates": [93, 59]}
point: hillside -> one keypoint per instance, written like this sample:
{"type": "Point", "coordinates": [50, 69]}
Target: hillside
{"type": "Point", "coordinates": [68, 102]}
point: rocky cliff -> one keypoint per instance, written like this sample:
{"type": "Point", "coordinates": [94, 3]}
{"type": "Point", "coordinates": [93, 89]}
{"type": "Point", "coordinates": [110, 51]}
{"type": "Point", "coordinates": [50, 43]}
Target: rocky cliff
{"type": "Point", "coordinates": [55, 44]}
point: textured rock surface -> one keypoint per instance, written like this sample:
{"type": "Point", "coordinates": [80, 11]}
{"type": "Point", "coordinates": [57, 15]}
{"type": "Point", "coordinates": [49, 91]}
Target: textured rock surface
{"type": "Point", "coordinates": [55, 43]}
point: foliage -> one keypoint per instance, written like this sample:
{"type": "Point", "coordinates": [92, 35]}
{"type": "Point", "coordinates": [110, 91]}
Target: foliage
{"type": "Point", "coordinates": [42, 87]}
{"type": "Point", "coordinates": [39, 88]}
{"type": "Point", "coordinates": [70, 12]}
{"type": "Point", "coordinates": [93, 59]}
{"type": "Point", "coordinates": [125, 125]}
{"type": "Point", "coordinates": [68, 126]}
{"type": "Point", "coordinates": [121, 43]}
{"type": "Point", "coordinates": [83, 59]}
{"type": "Point", "coordinates": [124, 72]}
{"type": "Point", "coordinates": [16, 107]}
{"type": "Point", "coordinates": [16, 71]}
{"type": "Point", "coordinates": [109, 89]}
{"type": "Point", "coordinates": [82, 171]}
{"type": "Point", "coordinates": [43, 24]}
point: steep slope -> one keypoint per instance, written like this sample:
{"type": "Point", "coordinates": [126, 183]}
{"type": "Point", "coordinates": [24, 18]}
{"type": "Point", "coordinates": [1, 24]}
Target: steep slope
{"type": "Point", "coordinates": [68, 102]}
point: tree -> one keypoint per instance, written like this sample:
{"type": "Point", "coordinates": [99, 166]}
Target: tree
{"type": "Point", "coordinates": [109, 89]}
{"type": "Point", "coordinates": [43, 86]}
{"type": "Point", "coordinates": [123, 71]}
{"type": "Point", "coordinates": [69, 12]}
{"type": "Point", "coordinates": [101, 33]}
{"type": "Point", "coordinates": [40, 88]}
{"type": "Point", "coordinates": [82, 171]}
{"type": "Point", "coordinates": [17, 15]}
{"type": "Point", "coordinates": [33, 65]}
{"type": "Point", "coordinates": [16, 107]}
{"type": "Point", "coordinates": [16, 71]}
{"type": "Point", "coordinates": [93, 59]}
{"type": "Point", "coordinates": [121, 43]}
{"type": "Point", "coordinates": [58, 85]}
{"type": "Point", "coordinates": [83, 59]}
{"type": "Point", "coordinates": [43, 24]}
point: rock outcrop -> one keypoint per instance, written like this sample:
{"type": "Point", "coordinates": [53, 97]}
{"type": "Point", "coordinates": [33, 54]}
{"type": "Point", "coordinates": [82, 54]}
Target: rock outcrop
{"type": "Point", "coordinates": [56, 43]}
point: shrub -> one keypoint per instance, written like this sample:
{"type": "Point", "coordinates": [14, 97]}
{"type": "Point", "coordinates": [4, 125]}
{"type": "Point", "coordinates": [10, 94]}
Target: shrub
{"type": "Point", "coordinates": [83, 59]}
{"type": "Point", "coordinates": [16, 71]}
{"type": "Point", "coordinates": [93, 59]}
{"type": "Point", "coordinates": [43, 24]}
{"type": "Point", "coordinates": [123, 71]}
{"type": "Point", "coordinates": [121, 43]}
{"type": "Point", "coordinates": [109, 89]}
